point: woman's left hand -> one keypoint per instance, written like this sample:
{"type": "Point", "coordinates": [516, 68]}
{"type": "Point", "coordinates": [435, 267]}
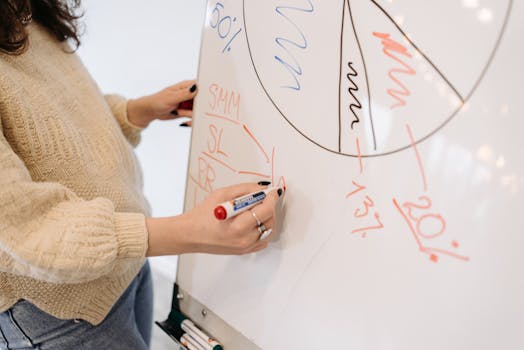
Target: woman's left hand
{"type": "Point", "coordinates": [164, 105]}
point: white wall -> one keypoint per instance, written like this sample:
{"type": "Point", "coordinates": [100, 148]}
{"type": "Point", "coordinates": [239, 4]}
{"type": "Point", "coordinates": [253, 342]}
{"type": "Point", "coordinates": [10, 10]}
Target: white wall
{"type": "Point", "coordinates": [134, 48]}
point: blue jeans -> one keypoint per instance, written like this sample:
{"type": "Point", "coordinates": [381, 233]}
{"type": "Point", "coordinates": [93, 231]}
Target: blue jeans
{"type": "Point", "coordinates": [127, 326]}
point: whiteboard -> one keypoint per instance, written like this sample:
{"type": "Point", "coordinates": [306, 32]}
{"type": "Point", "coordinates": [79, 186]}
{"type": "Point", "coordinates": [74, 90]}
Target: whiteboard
{"type": "Point", "coordinates": [396, 126]}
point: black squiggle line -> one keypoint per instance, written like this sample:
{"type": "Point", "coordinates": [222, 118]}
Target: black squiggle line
{"type": "Point", "coordinates": [352, 89]}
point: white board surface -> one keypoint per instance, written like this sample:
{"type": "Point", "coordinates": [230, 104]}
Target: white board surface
{"type": "Point", "coordinates": [396, 126]}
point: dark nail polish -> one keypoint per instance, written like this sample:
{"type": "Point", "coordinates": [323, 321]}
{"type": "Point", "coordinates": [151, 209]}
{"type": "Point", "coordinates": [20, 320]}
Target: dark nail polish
{"type": "Point", "coordinates": [193, 88]}
{"type": "Point", "coordinates": [175, 112]}
{"type": "Point", "coordinates": [280, 191]}
{"type": "Point", "coordinates": [184, 125]}
{"type": "Point", "coordinates": [264, 183]}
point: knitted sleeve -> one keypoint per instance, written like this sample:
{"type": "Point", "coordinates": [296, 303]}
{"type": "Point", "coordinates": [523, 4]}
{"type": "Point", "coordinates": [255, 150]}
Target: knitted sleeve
{"type": "Point", "coordinates": [49, 233]}
{"type": "Point", "coordinates": [118, 105]}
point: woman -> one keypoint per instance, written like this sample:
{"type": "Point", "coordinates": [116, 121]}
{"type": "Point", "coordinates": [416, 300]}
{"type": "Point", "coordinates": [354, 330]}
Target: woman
{"type": "Point", "coordinates": [74, 225]}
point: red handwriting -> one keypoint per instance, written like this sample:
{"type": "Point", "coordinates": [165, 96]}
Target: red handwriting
{"type": "Point", "coordinates": [415, 226]}
{"type": "Point", "coordinates": [214, 143]}
{"type": "Point", "coordinates": [281, 183]}
{"type": "Point", "coordinates": [255, 140]}
{"type": "Point", "coordinates": [367, 204]}
{"type": "Point", "coordinates": [223, 122]}
{"type": "Point", "coordinates": [359, 152]}
{"type": "Point", "coordinates": [390, 48]}
{"type": "Point", "coordinates": [364, 230]}
{"type": "Point", "coordinates": [363, 211]}
{"type": "Point", "coordinates": [220, 162]}
{"type": "Point", "coordinates": [439, 224]}
{"type": "Point", "coordinates": [417, 155]}
{"type": "Point", "coordinates": [424, 223]}
{"type": "Point", "coordinates": [219, 116]}
{"type": "Point", "coordinates": [359, 188]}
{"type": "Point", "coordinates": [206, 176]}
{"type": "Point", "coordinates": [427, 226]}
{"type": "Point", "coordinates": [224, 101]}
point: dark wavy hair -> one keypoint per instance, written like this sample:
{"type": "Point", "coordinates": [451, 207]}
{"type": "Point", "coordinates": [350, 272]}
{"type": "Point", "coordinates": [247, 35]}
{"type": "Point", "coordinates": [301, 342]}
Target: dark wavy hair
{"type": "Point", "coordinates": [58, 16]}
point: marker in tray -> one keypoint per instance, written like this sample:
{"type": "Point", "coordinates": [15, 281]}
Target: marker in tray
{"type": "Point", "coordinates": [194, 336]}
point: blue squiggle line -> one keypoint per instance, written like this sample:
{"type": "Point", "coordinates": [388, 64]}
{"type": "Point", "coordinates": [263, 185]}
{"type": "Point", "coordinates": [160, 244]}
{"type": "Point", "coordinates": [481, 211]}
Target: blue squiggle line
{"type": "Point", "coordinates": [294, 68]}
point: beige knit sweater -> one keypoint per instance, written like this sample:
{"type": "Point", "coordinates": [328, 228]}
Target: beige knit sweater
{"type": "Point", "coordinates": [72, 225]}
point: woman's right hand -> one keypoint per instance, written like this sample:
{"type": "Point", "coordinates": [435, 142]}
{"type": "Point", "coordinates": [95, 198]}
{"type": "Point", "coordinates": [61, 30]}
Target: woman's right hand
{"type": "Point", "coordinates": [198, 231]}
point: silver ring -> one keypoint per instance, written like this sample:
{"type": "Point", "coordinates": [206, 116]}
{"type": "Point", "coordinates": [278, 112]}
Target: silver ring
{"type": "Point", "coordinates": [265, 234]}
{"type": "Point", "coordinates": [262, 228]}
{"type": "Point", "coordinates": [256, 217]}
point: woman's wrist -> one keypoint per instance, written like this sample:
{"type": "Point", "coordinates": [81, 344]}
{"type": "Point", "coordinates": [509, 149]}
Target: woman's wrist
{"type": "Point", "coordinates": [138, 112]}
{"type": "Point", "coordinates": [170, 236]}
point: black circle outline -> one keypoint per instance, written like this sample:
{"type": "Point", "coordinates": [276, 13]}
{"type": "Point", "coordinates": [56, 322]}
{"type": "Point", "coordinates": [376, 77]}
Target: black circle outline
{"type": "Point", "coordinates": [474, 88]}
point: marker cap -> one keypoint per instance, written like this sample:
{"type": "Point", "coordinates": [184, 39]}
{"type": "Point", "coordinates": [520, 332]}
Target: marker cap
{"type": "Point", "coordinates": [220, 213]}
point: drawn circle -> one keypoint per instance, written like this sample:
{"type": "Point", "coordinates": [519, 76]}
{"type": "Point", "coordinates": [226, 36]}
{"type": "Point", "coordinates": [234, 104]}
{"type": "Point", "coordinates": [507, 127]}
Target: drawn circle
{"type": "Point", "coordinates": [436, 217]}
{"type": "Point", "coordinates": [294, 36]}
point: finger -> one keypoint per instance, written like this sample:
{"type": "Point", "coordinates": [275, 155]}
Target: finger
{"type": "Point", "coordinates": [255, 243]}
{"type": "Point", "coordinates": [245, 239]}
{"type": "Point", "coordinates": [186, 94]}
{"type": "Point", "coordinates": [178, 94]}
{"type": "Point", "coordinates": [248, 237]}
{"type": "Point", "coordinates": [264, 225]}
{"type": "Point", "coordinates": [268, 230]}
{"type": "Point", "coordinates": [231, 192]}
{"type": "Point", "coordinates": [263, 211]}
{"type": "Point", "coordinates": [183, 85]}
{"type": "Point", "coordinates": [179, 113]}
{"type": "Point", "coordinates": [185, 113]}
{"type": "Point", "coordinates": [254, 234]}
{"type": "Point", "coordinates": [186, 84]}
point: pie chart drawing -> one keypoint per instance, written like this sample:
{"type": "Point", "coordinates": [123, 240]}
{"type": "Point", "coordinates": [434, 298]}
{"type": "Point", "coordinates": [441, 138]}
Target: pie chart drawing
{"type": "Point", "coordinates": [350, 75]}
